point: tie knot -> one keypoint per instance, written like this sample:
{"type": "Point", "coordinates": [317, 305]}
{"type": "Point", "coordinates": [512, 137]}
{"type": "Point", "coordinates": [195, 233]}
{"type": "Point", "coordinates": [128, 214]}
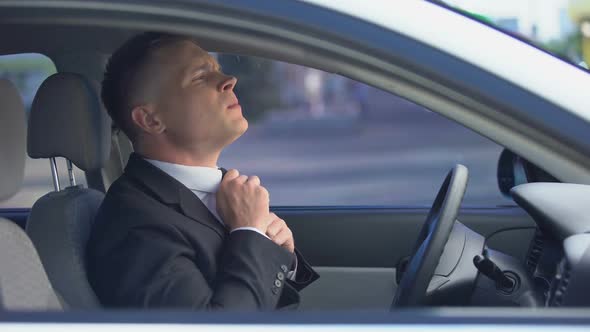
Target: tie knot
{"type": "Point", "coordinates": [223, 171]}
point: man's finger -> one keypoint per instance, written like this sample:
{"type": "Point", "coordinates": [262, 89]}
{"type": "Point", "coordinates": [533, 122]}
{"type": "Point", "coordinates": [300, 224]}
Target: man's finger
{"type": "Point", "coordinates": [281, 237]}
{"type": "Point", "coordinates": [241, 179]}
{"type": "Point", "coordinates": [285, 239]}
{"type": "Point", "coordinates": [253, 180]}
{"type": "Point", "coordinates": [231, 174]}
{"type": "Point", "coordinates": [274, 227]}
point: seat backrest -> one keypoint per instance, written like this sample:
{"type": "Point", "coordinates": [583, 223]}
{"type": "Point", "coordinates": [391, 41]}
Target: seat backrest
{"type": "Point", "coordinates": [67, 120]}
{"type": "Point", "coordinates": [24, 285]}
{"type": "Point", "coordinates": [23, 282]}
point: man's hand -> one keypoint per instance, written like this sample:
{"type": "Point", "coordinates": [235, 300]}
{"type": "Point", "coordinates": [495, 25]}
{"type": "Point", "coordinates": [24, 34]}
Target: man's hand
{"type": "Point", "coordinates": [279, 233]}
{"type": "Point", "coordinates": [243, 202]}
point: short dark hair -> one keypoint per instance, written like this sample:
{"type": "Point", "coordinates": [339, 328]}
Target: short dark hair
{"type": "Point", "coordinates": [121, 71]}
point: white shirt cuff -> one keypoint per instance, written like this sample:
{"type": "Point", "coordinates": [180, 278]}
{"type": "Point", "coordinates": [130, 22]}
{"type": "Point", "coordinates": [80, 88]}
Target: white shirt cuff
{"type": "Point", "coordinates": [291, 274]}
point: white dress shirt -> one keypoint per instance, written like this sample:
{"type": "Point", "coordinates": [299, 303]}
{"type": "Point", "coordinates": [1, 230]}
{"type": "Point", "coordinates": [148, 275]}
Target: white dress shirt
{"type": "Point", "coordinates": [204, 183]}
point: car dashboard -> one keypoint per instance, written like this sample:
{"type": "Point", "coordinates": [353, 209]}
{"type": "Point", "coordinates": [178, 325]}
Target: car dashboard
{"type": "Point", "coordinates": [558, 260]}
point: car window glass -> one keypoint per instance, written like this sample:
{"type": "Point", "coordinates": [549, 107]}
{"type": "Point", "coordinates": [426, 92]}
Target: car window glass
{"type": "Point", "coordinates": [317, 138]}
{"type": "Point", "coordinates": [27, 72]}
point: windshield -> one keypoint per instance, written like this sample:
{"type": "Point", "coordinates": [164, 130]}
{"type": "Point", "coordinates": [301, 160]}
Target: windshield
{"type": "Point", "coordinates": [561, 27]}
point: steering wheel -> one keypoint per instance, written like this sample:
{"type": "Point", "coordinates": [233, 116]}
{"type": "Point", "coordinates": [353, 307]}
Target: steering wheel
{"type": "Point", "coordinates": [432, 240]}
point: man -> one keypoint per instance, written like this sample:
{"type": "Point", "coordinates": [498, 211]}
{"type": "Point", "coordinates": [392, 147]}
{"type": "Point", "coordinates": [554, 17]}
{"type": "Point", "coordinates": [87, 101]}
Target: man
{"type": "Point", "coordinates": [173, 231]}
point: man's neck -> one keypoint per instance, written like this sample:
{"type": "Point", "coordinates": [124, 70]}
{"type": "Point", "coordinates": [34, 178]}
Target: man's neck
{"type": "Point", "coordinates": [172, 155]}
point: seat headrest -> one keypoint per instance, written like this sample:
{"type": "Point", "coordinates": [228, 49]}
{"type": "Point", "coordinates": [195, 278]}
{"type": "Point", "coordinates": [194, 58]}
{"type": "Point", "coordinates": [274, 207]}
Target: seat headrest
{"type": "Point", "coordinates": [13, 128]}
{"type": "Point", "coordinates": [67, 120]}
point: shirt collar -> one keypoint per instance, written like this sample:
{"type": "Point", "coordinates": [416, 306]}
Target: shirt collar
{"type": "Point", "coordinates": [205, 179]}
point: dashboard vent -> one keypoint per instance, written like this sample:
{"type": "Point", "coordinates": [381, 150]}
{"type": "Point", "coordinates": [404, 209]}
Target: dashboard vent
{"type": "Point", "coordinates": [535, 252]}
{"type": "Point", "coordinates": [561, 281]}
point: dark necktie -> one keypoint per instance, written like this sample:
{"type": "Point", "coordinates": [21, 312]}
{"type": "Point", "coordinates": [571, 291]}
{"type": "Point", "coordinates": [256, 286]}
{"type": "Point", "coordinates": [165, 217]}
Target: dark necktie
{"type": "Point", "coordinates": [223, 171]}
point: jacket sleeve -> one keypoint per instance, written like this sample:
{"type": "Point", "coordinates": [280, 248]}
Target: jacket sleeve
{"type": "Point", "coordinates": [305, 274]}
{"type": "Point", "coordinates": [156, 268]}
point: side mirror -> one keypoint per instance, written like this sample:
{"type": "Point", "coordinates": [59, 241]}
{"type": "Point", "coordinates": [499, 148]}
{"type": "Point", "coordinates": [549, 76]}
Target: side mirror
{"type": "Point", "coordinates": [511, 172]}
{"type": "Point", "coordinates": [514, 170]}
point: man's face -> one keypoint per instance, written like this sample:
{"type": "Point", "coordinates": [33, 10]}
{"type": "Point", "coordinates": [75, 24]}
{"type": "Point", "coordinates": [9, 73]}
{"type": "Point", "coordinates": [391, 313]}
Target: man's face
{"type": "Point", "coordinates": [194, 99]}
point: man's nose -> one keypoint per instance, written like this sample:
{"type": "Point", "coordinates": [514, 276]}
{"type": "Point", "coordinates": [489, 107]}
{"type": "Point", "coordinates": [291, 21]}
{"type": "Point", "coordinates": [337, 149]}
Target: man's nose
{"type": "Point", "coordinates": [228, 83]}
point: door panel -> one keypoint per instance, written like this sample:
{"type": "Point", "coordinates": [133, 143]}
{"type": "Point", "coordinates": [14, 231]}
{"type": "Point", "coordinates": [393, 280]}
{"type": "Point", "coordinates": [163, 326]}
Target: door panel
{"type": "Point", "coordinates": [350, 287]}
{"type": "Point", "coordinates": [355, 250]}
{"type": "Point", "coordinates": [380, 237]}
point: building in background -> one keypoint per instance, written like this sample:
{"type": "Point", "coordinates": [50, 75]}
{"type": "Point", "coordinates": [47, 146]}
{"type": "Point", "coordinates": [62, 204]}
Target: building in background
{"type": "Point", "coordinates": [538, 20]}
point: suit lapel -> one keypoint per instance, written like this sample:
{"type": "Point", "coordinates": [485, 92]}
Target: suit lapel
{"type": "Point", "coordinates": [171, 192]}
{"type": "Point", "coordinates": [194, 208]}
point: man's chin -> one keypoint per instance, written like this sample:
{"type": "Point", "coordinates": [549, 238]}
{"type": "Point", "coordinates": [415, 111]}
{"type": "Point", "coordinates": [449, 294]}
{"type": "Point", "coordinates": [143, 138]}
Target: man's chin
{"type": "Point", "coordinates": [238, 129]}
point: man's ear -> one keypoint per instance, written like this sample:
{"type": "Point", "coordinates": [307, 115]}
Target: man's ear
{"type": "Point", "coordinates": [147, 119]}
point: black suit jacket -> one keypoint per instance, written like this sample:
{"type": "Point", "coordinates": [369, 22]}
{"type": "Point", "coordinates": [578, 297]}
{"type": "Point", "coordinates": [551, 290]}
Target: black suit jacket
{"type": "Point", "coordinates": [155, 244]}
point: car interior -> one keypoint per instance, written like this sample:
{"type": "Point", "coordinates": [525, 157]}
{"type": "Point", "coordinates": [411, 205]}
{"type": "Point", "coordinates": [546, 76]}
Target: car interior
{"type": "Point", "coordinates": [533, 254]}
